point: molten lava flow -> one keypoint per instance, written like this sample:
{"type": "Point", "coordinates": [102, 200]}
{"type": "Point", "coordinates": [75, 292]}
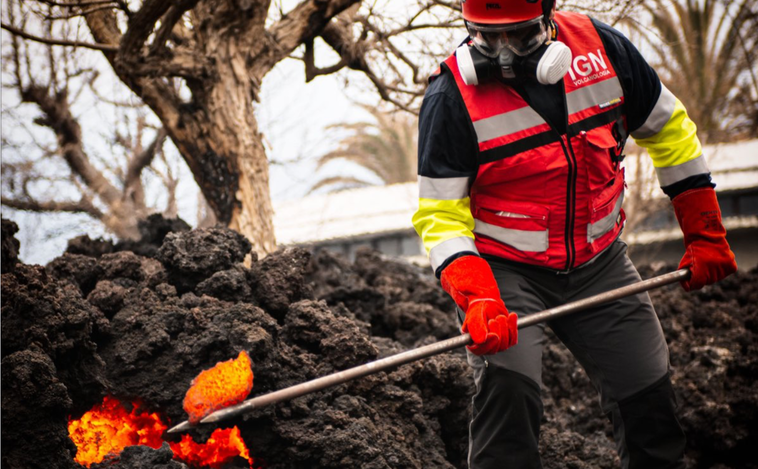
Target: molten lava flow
{"type": "Point", "coordinates": [225, 384]}
{"type": "Point", "coordinates": [221, 447]}
{"type": "Point", "coordinates": [109, 428]}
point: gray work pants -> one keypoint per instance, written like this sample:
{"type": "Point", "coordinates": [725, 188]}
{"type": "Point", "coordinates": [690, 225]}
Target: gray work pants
{"type": "Point", "coordinates": [620, 345]}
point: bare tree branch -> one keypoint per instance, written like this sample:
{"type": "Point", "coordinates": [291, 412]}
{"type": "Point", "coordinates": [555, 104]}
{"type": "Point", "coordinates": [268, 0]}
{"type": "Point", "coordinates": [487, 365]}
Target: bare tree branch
{"type": "Point", "coordinates": [104, 28]}
{"type": "Point", "coordinates": [176, 63]}
{"type": "Point", "coordinates": [59, 42]}
{"type": "Point", "coordinates": [58, 117]}
{"type": "Point", "coordinates": [340, 39]}
{"type": "Point", "coordinates": [170, 182]}
{"type": "Point", "coordinates": [76, 14]}
{"type": "Point", "coordinates": [170, 20]}
{"type": "Point", "coordinates": [311, 70]}
{"type": "Point", "coordinates": [82, 206]}
{"type": "Point", "coordinates": [82, 3]}
{"type": "Point", "coordinates": [305, 22]}
{"type": "Point", "coordinates": [143, 159]}
{"type": "Point", "coordinates": [141, 25]}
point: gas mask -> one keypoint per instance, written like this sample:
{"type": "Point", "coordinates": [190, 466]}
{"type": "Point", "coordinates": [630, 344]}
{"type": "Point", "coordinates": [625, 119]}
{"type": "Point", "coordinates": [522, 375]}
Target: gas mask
{"type": "Point", "coordinates": [512, 53]}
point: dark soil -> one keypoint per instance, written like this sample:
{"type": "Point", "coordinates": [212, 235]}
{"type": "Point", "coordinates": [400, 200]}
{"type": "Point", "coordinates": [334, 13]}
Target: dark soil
{"type": "Point", "coordinates": [141, 323]}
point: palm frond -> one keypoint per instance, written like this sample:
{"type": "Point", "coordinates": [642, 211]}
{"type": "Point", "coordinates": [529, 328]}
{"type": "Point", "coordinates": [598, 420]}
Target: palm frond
{"type": "Point", "coordinates": [387, 147]}
{"type": "Point", "coordinates": [339, 183]}
{"type": "Point", "coordinates": [704, 51]}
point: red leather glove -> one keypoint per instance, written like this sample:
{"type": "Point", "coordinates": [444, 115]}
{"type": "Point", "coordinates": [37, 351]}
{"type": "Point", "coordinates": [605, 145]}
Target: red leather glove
{"type": "Point", "coordinates": [707, 254]}
{"type": "Point", "coordinates": [469, 280]}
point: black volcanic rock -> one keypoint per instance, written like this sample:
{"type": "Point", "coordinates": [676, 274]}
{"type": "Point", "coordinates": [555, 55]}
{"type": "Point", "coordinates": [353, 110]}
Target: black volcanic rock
{"type": "Point", "coordinates": [193, 256]}
{"type": "Point", "coordinates": [153, 231]}
{"type": "Point", "coordinates": [53, 317]}
{"type": "Point", "coordinates": [35, 408]}
{"type": "Point", "coordinates": [139, 328]}
{"type": "Point", "coordinates": [10, 246]}
{"type": "Point", "coordinates": [142, 457]}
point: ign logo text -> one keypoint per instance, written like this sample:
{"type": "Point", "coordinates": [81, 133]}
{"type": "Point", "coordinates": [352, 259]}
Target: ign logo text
{"type": "Point", "coordinates": [586, 68]}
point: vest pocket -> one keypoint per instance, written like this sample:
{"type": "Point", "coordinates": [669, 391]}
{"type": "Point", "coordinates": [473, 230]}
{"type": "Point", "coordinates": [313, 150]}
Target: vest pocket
{"type": "Point", "coordinates": [521, 225]}
{"type": "Point", "coordinates": [606, 214]}
{"type": "Point", "coordinates": [599, 148]}
{"type": "Point", "coordinates": [526, 171]}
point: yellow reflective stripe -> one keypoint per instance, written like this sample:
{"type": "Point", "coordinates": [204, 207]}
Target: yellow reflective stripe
{"type": "Point", "coordinates": [676, 143]}
{"type": "Point", "coordinates": [437, 221]}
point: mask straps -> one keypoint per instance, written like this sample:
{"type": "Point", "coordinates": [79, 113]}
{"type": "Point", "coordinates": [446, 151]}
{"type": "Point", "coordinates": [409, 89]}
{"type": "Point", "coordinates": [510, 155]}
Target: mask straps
{"type": "Point", "coordinates": [553, 30]}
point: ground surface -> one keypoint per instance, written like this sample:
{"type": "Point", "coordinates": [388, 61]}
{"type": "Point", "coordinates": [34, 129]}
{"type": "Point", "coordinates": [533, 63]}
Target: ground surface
{"type": "Point", "coordinates": [103, 320]}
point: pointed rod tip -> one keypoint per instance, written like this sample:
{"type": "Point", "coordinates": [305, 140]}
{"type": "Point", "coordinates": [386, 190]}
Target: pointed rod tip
{"type": "Point", "coordinates": [184, 426]}
{"type": "Point", "coordinates": [213, 417]}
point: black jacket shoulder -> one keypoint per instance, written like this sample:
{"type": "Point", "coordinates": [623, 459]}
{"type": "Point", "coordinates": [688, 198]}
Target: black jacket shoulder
{"type": "Point", "coordinates": [447, 145]}
{"type": "Point", "coordinates": [640, 82]}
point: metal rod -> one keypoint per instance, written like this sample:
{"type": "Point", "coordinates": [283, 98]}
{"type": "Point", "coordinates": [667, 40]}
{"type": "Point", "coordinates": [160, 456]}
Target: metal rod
{"type": "Point", "coordinates": [602, 298]}
{"type": "Point", "coordinates": [436, 348]}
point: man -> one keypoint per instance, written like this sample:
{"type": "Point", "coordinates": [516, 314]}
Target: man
{"type": "Point", "coordinates": [520, 141]}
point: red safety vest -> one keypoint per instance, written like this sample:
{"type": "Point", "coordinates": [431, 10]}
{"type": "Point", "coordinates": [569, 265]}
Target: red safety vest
{"type": "Point", "coordinates": [541, 197]}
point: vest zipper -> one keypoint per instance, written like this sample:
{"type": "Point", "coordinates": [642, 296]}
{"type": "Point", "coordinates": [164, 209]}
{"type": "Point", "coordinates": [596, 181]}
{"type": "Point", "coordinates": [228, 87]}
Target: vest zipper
{"type": "Point", "coordinates": [570, 201]}
{"type": "Point", "coordinates": [571, 205]}
{"type": "Point", "coordinates": [568, 151]}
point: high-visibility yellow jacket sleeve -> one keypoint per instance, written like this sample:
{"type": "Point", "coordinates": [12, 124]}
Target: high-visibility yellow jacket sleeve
{"type": "Point", "coordinates": [670, 137]}
{"type": "Point", "coordinates": [447, 164]}
{"type": "Point", "coordinates": [445, 227]}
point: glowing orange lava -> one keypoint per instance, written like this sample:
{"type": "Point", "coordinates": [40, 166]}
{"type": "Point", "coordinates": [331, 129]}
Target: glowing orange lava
{"type": "Point", "coordinates": [109, 428]}
{"type": "Point", "coordinates": [221, 447]}
{"type": "Point", "coordinates": [225, 384]}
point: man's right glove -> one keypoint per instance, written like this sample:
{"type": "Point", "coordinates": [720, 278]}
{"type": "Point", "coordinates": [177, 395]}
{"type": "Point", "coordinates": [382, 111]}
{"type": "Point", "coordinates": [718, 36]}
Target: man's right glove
{"type": "Point", "coordinates": [471, 283]}
{"type": "Point", "coordinates": [707, 254]}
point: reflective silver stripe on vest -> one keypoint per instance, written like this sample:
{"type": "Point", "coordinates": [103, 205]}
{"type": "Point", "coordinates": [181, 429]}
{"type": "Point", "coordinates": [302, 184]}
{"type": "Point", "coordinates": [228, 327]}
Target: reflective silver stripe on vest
{"type": "Point", "coordinates": [594, 95]}
{"type": "Point", "coordinates": [439, 253]}
{"type": "Point", "coordinates": [443, 188]}
{"type": "Point", "coordinates": [672, 174]}
{"type": "Point", "coordinates": [526, 117]}
{"type": "Point", "coordinates": [523, 240]}
{"type": "Point", "coordinates": [658, 117]}
{"type": "Point", "coordinates": [507, 123]}
{"type": "Point", "coordinates": [605, 224]}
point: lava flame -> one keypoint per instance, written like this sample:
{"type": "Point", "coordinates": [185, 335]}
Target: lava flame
{"type": "Point", "coordinates": [221, 447]}
{"type": "Point", "coordinates": [225, 384]}
{"type": "Point", "coordinates": [108, 428]}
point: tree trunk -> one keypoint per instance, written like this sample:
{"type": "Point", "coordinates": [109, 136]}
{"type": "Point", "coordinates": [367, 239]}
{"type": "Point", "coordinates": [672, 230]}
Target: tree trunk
{"type": "Point", "coordinates": [254, 217]}
{"type": "Point", "coordinates": [222, 59]}
{"type": "Point", "coordinates": [217, 134]}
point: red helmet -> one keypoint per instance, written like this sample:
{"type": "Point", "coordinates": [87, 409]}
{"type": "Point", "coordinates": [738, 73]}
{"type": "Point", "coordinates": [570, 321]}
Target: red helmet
{"type": "Point", "coordinates": [500, 11]}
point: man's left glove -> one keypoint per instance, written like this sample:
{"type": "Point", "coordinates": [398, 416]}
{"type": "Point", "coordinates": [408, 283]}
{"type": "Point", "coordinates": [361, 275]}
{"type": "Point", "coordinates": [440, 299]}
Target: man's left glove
{"type": "Point", "coordinates": [707, 255]}
{"type": "Point", "coordinates": [471, 283]}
